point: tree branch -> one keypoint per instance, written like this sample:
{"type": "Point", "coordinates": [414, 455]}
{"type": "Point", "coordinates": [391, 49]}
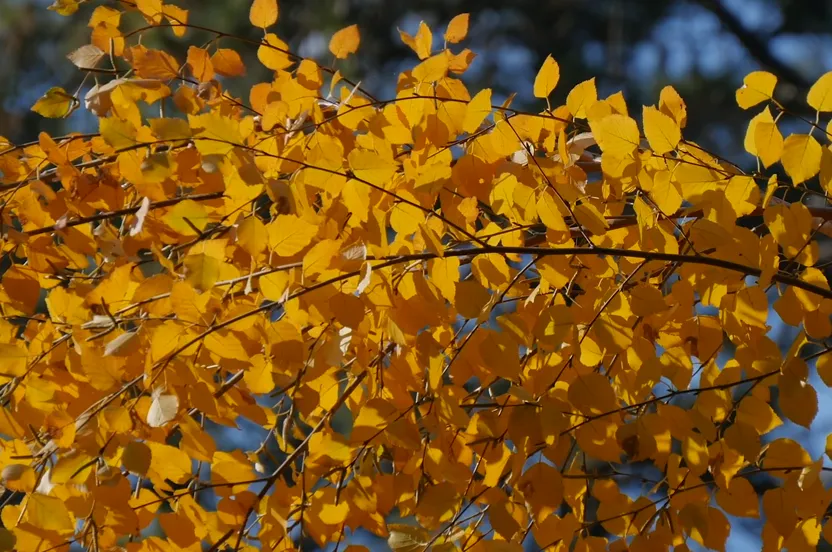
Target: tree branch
{"type": "Point", "coordinates": [757, 48]}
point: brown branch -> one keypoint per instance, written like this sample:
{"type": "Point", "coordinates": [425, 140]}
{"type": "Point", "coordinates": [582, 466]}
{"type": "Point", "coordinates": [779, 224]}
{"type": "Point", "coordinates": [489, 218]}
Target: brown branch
{"type": "Point", "coordinates": [299, 450]}
{"type": "Point", "coordinates": [614, 252]}
{"type": "Point", "coordinates": [121, 212]}
{"type": "Point", "coordinates": [758, 49]}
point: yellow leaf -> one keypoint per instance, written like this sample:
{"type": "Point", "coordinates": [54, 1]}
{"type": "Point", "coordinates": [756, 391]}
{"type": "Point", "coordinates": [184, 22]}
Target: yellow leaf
{"type": "Point", "coordinates": [228, 63]}
{"type": "Point", "coordinates": [434, 68]}
{"type": "Point", "coordinates": [193, 211]}
{"type": "Point", "coordinates": [581, 98]}
{"type": "Point", "coordinates": [119, 345]}
{"type": "Point", "coordinates": [195, 442]}
{"type": "Point", "coordinates": [258, 376]}
{"type": "Point", "coordinates": [470, 298]}
{"type": "Point", "coordinates": [444, 273]}
{"type": "Point", "coordinates": [65, 7]}
{"type": "Point", "coordinates": [252, 235]}
{"type": "Point", "coordinates": [170, 129]}
{"type": "Point", "coordinates": [289, 235]}
{"type": "Point", "coordinates": [555, 270]}
{"type": "Point", "coordinates": [421, 43]}
{"type": "Point", "coordinates": [13, 359]}
{"type": "Point", "coordinates": [549, 213]}
{"type": "Point", "coordinates": [646, 300]}
{"type": "Point", "coordinates": [274, 53]}
{"type": "Point", "coordinates": [345, 42]}
{"type": "Point", "coordinates": [671, 103]}
{"type": "Point", "coordinates": [756, 87]}
{"type": "Point", "coordinates": [592, 394]}
{"type": "Point", "coordinates": [318, 259]}
{"type": "Point", "coordinates": [334, 514]}
{"type": "Point", "coordinates": [820, 95]}
{"type": "Point", "coordinates": [202, 271]}
{"type": "Point", "coordinates": [356, 197]}
{"type": "Point", "coordinates": [798, 400]}
{"type": "Point", "coordinates": [662, 132]}
{"type": "Point", "coordinates": [55, 103]}
{"type": "Point", "coordinates": [785, 453]}
{"type": "Point", "coordinates": [136, 458]}
{"type": "Point", "coordinates": [666, 193]}
{"type": "Point", "coordinates": [502, 354]}
{"type": "Point", "coordinates": [154, 64]}
{"type": "Point", "coordinates": [616, 134]}
{"type": "Point", "coordinates": [758, 414]}
{"type": "Point", "coordinates": [371, 420]}
{"type": "Point", "coordinates": [806, 536]}
{"type": "Point", "coordinates": [328, 449]}
{"type": "Point", "coordinates": [457, 29]}
{"type": "Point", "coordinates": [751, 306]}
{"type": "Point", "coordinates": [553, 327]}
{"type": "Point", "coordinates": [174, 15]}
{"type": "Point", "coordinates": [478, 109]}
{"type": "Point", "coordinates": [371, 167]}
{"type": "Point", "coordinates": [588, 216]}
{"type": "Point", "coordinates": [227, 344]}
{"type": "Point", "coordinates": [151, 9]}
{"type": "Point", "coordinates": [117, 133]}
{"type": "Point", "coordinates": [768, 143]}
{"type": "Point", "coordinates": [263, 13]}
{"type": "Point", "coordinates": [433, 241]}
{"type": "Point", "coordinates": [405, 218]}
{"type": "Point", "coordinates": [274, 285]}
{"type": "Point", "coordinates": [547, 78]}
{"type": "Point", "coordinates": [216, 134]}
{"type": "Point", "coordinates": [48, 513]}
{"type": "Point", "coordinates": [230, 468]}
{"type": "Point", "coordinates": [801, 157]}
{"type": "Point", "coordinates": [22, 478]}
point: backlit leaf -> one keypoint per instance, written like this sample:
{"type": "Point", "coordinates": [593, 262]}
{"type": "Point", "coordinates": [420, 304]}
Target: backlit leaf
{"type": "Point", "coordinates": [457, 29]}
{"type": "Point", "coordinates": [345, 42]}
{"type": "Point", "coordinates": [662, 132]}
{"type": "Point", "coordinates": [617, 135]}
{"type": "Point", "coordinates": [547, 78]}
{"type": "Point", "coordinates": [421, 43]}
{"type": "Point", "coordinates": [801, 157]}
{"type": "Point", "coordinates": [756, 87]}
{"type": "Point", "coordinates": [478, 109]}
{"type": "Point", "coordinates": [581, 98]}
{"type": "Point", "coordinates": [820, 95]}
{"type": "Point", "coordinates": [55, 103]}
{"type": "Point", "coordinates": [263, 13]}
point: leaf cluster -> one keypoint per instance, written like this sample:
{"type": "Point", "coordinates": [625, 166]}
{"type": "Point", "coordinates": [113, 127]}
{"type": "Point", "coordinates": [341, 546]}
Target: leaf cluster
{"type": "Point", "coordinates": [483, 323]}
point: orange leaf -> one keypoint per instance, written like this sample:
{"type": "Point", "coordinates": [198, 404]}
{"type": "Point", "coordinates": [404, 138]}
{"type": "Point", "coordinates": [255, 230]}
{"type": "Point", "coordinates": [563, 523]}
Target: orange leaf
{"type": "Point", "coordinates": [457, 29]}
{"type": "Point", "coordinates": [345, 42]}
{"type": "Point", "coordinates": [227, 62]}
{"type": "Point", "coordinates": [263, 13]}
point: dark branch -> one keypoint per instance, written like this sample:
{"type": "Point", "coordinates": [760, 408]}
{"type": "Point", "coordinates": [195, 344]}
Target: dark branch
{"type": "Point", "coordinates": [756, 47]}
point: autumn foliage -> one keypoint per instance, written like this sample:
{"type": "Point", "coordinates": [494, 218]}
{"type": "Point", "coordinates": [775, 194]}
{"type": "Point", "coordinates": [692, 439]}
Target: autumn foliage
{"type": "Point", "coordinates": [458, 325]}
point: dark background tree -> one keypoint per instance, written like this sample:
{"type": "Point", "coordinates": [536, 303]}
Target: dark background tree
{"type": "Point", "coordinates": [701, 47]}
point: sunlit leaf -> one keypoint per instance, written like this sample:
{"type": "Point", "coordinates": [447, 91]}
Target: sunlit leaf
{"type": "Point", "coordinates": [547, 78]}
{"type": "Point", "coordinates": [263, 13]}
{"type": "Point", "coordinates": [55, 103]}
{"type": "Point", "coordinates": [345, 42]}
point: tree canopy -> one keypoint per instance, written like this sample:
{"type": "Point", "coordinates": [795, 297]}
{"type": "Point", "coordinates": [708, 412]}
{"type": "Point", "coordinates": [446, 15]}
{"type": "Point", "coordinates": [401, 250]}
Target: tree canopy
{"type": "Point", "coordinates": [277, 320]}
